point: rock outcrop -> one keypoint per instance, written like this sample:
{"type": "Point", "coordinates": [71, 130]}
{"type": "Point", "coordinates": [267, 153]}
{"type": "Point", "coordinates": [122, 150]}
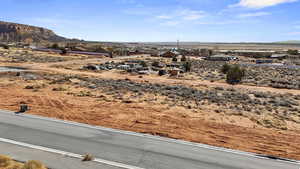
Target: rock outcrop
{"type": "Point", "coordinates": [13, 32]}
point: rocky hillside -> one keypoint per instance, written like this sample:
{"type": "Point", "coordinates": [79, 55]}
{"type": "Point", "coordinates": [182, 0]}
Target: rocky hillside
{"type": "Point", "coordinates": [13, 32]}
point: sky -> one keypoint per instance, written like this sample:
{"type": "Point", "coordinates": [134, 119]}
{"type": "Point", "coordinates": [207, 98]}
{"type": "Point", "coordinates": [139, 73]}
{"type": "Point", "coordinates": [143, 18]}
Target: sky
{"type": "Point", "coordinates": [161, 20]}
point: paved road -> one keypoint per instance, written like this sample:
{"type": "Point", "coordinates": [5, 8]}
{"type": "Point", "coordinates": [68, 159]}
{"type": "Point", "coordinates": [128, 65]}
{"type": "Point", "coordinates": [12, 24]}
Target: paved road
{"type": "Point", "coordinates": [128, 148]}
{"type": "Point", "coordinates": [52, 160]}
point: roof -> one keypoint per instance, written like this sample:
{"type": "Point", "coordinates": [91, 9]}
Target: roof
{"type": "Point", "coordinates": [173, 52]}
{"type": "Point", "coordinates": [254, 51]}
{"type": "Point", "coordinates": [278, 55]}
{"type": "Point", "coordinates": [223, 56]}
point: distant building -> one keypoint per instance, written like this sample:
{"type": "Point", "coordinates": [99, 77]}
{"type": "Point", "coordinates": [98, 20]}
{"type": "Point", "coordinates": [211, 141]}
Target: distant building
{"type": "Point", "coordinates": [248, 53]}
{"type": "Point", "coordinates": [263, 61]}
{"type": "Point", "coordinates": [221, 58]}
{"type": "Point", "coordinates": [278, 56]}
{"type": "Point", "coordinates": [254, 53]}
{"type": "Point", "coordinates": [169, 54]}
{"type": "Point", "coordinates": [174, 72]}
{"type": "Point", "coordinates": [205, 52]}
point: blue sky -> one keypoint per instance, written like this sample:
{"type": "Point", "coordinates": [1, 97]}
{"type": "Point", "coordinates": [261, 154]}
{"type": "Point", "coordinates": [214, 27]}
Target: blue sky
{"type": "Point", "coordinates": [161, 20]}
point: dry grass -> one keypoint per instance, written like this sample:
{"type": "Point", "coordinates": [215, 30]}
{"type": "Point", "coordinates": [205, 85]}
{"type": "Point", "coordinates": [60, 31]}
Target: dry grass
{"type": "Point", "coordinates": [33, 165]}
{"type": "Point", "coordinates": [88, 157]}
{"type": "Point", "coordinates": [8, 163]}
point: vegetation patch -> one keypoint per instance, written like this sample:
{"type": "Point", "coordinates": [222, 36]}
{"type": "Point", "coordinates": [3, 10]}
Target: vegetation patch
{"type": "Point", "coordinates": [8, 163]}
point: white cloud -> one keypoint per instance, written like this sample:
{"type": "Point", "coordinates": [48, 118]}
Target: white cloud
{"type": "Point", "coordinates": [164, 17]}
{"type": "Point", "coordinates": [191, 14]}
{"type": "Point", "coordinates": [226, 22]}
{"type": "Point", "coordinates": [170, 23]}
{"type": "Point", "coordinates": [294, 33]}
{"type": "Point", "coordinates": [181, 16]}
{"type": "Point", "coordinates": [261, 3]}
{"type": "Point", "coordinates": [255, 14]}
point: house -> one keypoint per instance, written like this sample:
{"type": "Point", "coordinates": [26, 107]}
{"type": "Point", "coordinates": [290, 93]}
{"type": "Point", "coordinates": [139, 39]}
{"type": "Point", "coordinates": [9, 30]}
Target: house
{"type": "Point", "coordinates": [221, 58]}
{"type": "Point", "coordinates": [279, 56]}
{"type": "Point", "coordinates": [253, 53]}
{"type": "Point", "coordinates": [169, 54]}
{"type": "Point", "coordinates": [174, 65]}
{"type": "Point", "coordinates": [123, 67]}
{"type": "Point", "coordinates": [263, 61]}
{"type": "Point", "coordinates": [174, 72]}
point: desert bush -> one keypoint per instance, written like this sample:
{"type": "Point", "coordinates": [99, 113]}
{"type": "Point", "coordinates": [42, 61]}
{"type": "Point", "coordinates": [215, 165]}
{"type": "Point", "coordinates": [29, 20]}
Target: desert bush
{"type": "Point", "coordinates": [292, 52]}
{"type": "Point", "coordinates": [8, 163]}
{"type": "Point", "coordinates": [183, 59]}
{"type": "Point", "coordinates": [33, 165]}
{"type": "Point", "coordinates": [155, 64]}
{"type": "Point", "coordinates": [235, 74]}
{"type": "Point", "coordinates": [174, 59]}
{"type": "Point", "coordinates": [162, 72]}
{"type": "Point", "coordinates": [144, 64]}
{"type": "Point", "coordinates": [84, 94]}
{"type": "Point", "coordinates": [63, 51]}
{"type": "Point", "coordinates": [88, 157]}
{"type": "Point", "coordinates": [55, 46]}
{"type": "Point", "coordinates": [16, 166]}
{"type": "Point", "coordinates": [187, 66]}
{"type": "Point", "coordinates": [6, 47]}
{"type": "Point", "coordinates": [59, 89]}
{"type": "Point", "coordinates": [5, 161]}
{"type": "Point", "coordinates": [225, 68]}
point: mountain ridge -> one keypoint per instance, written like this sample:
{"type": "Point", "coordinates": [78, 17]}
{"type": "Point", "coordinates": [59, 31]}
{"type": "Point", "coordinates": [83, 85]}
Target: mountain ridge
{"type": "Point", "coordinates": [15, 32]}
{"type": "Point", "coordinates": [289, 42]}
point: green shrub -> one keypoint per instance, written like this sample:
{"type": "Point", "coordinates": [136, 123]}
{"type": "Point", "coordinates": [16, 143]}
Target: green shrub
{"type": "Point", "coordinates": [183, 59]}
{"type": "Point", "coordinates": [174, 59]}
{"type": "Point", "coordinates": [187, 66]}
{"type": "Point", "coordinates": [55, 46]}
{"type": "Point", "coordinates": [225, 68]}
{"type": "Point", "coordinates": [155, 64]}
{"type": "Point", "coordinates": [63, 51]}
{"type": "Point", "coordinates": [292, 52]}
{"type": "Point", "coordinates": [144, 64]}
{"type": "Point", "coordinates": [6, 47]}
{"type": "Point", "coordinates": [162, 72]}
{"type": "Point", "coordinates": [235, 74]}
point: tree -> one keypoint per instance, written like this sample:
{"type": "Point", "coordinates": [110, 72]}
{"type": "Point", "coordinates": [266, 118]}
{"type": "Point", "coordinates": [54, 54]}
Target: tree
{"type": "Point", "coordinates": [100, 49]}
{"type": "Point", "coordinates": [144, 64]}
{"type": "Point", "coordinates": [63, 51]}
{"type": "Point", "coordinates": [6, 47]}
{"type": "Point", "coordinates": [187, 66]}
{"type": "Point", "coordinates": [174, 59]}
{"type": "Point", "coordinates": [162, 72]}
{"type": "Point", "coordinates": [55, 46]}
{"type": "Point", "coordinates": [155, 64]}
{"type": "Point", "coordinates": [292, 52]}
{"type": "Point", "coordinates": [235, 74]}
{"type": "Point", "coordinates": [225, 68]}
{"type": "Point", "coordinates": [183, 58]}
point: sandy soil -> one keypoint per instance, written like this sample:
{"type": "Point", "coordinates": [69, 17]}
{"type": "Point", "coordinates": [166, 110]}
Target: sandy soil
{"type": "Point", "coordinates": [174, 122]}
{"type": "Point", "coordinates": [204, 126]}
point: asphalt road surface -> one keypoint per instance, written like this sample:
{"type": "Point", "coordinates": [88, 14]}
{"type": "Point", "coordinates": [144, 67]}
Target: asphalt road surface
{"type": "Point", "coordinates": [128, 148]}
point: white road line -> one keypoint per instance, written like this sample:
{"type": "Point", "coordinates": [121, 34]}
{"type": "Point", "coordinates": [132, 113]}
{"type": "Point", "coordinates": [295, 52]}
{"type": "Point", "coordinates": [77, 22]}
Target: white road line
{"type": "Point", "coordinates": [148, 136]}
{"type": "Point", "coordinates": [68, 154]}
